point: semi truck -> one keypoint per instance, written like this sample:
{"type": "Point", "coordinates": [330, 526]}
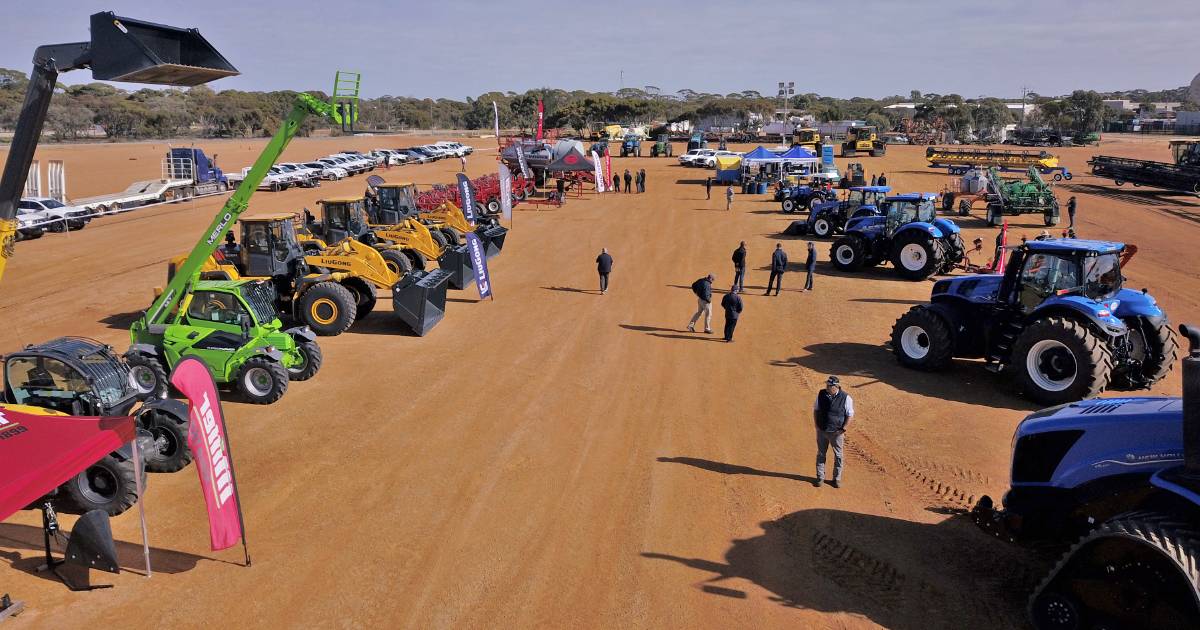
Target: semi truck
{"type": "Point", "coordinates": [186, 173]}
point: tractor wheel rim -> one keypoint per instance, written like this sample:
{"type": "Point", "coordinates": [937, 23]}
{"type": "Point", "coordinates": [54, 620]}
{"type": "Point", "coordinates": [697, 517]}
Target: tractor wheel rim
{"type": "Point", "coordinates": [1051, 365]}
{"type": "Point", "coordinates": [164, 442]}
{"type": "Point", "coordinates": [324, 311]}
{"type": "Point", "coordinates": [258, 381]}
{"type": "Point", "coordinates": [392, 267]}
{"type": "Point", "coordinates": [302, 364]}
{"type": "Point", "coordinates": [913, 257]}
{"type": "Point", "coordinates": [845, 254]}
{"type": "Point", "coordinates": [915, 342]}
{"type": "Point", "coordinates": [142, 379]}
{"type": "Point", "coordinates": [98, 485]}
{"type": "Point", "coordinates": [1060, 612]}
{"type": "Point", "coordinates": [821, 227]}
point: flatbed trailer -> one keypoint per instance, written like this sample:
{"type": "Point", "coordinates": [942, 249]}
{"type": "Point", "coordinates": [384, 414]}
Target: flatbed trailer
{"type": "Point", "coordinates": [186, 173]}
{"type": "Point", "coordinates": [1165, 175]}
{"type": "Point", "coordinates": [959, 160]}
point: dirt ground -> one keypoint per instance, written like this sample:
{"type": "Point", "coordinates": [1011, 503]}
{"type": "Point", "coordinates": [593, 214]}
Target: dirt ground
{"type": "Point", "coordinates": [557, 458]}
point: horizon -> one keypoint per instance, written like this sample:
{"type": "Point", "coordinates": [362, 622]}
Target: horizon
{"type": "Point", "coordinates": [1059, 51]}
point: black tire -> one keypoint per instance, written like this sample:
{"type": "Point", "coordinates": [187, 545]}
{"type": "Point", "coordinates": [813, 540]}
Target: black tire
{"type": "Point", "coordinates": [994, 214]}
{"type": "Point", "coordinates": [1068, 176]}
{"type": "Point", "coordinates": [328, 308]}
{"type": "Point", "coordinates": [480, 210]}
{"type": "Point", "coordinates": [311, 363]}
{"type": "Point", "coordinates": [848, 253]}
{"type": "Point", "coordinates": [109, 485]}
{"type": "Point", "coordinates": [275, 187]}
{"type": "Point", "coordinates": [364, 298]}
{"type": "Point", "coordinates": [416, 258]}
{"type": "Point", "coordinates": [922, 340]}
{"type": "Point", "coordinates": [439, 239]}
{"type": "Point", "coordinates": [493, 206]}
{"type": "Point", "coordinates": [964, 207]}
{"type": "Point", "coordinates": [1058, 360]}
{"type": "Point", "coordinates": [789, 205]}
{"type": "Point", "coordinates": [397, 262]}
{"type": "Point", "coordinates": [1157, 347]}
{"type": "Point", "coordinates": [822, 227]}
{"type": "Point", "coordinates": [147, 375]}
{"type": "Point", "coordinates": [916, 255]}
{"type": "Point", "coordinates": [453, 236]}
{"type": "Point", "coordinates": [947, 202]}
{"type": "Point", "coordinates": [169, 431]}
{"type": "Point", "coordinates": [262, 381]}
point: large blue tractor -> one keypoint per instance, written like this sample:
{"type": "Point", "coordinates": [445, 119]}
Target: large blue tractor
{"type": "Point", "coordinates": [1118, 481]}
{"type": "Point", "coordinates": [827, 218]}
{"type": "Point", "coordinates": [797, 198]}
{"type": "Point", "coordinates": [1058, 320]}
{"type": "Point", "coordinates": [906, 233]}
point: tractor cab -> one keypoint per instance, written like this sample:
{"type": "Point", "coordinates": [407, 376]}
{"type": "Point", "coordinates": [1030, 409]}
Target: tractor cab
{"type": "Point", "coordinates": [393, 203]}
{"type": "Point", "coordinates": [905, 209]}
{"type": "Point", "coordinates": [269, 247]}
{"type": "Point", "coordinates": [1041, 270]}
{"type": "Point", "coordinates": [806, 137]}
{"type": "Point", "coordinates": [860, 134]}
{"type": "Point", "coordinates": [342, 218]}
{"type": "Point", "coordinates": [866, 196]}
{"type": "Point", "coordinates": [1186, 152]}
{"type": "Point", "coordinates": [71, 375]}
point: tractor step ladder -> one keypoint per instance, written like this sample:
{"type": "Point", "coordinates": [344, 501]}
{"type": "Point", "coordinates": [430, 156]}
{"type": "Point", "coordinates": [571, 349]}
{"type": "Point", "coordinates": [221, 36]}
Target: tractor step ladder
{"type": "Point", "coordinates": [1002, 350]}
{"type": "Point", "coordinates": [345, 97]}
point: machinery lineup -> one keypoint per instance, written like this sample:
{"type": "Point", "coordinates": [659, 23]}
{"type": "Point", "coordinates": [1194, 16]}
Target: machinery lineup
{"type": "Point", "coordinates": [1113, 482]}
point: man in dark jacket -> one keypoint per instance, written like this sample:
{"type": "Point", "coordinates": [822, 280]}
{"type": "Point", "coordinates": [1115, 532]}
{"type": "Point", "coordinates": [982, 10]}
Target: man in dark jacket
{"type": "Point", "coordinates": [739, 268]}
{"type": "Point", "coordinates": [732, 304]}
{"type": "Point", "coordinates": [1071, 211]}
{"type": "Point", "coordinates": [628, 180]}
{"type": "Point", "coordinates": [810, 265]}
{"type": "Point", "coordinates": [703, 290]}
{"type": "Point", "coordinates": [832, 413]}
{"type": "Point", "coordinates": [708, 188]}
{"type": "Point", "coordinates": [604, 267]}
{"type": "Point", "coordinates": [642, 180]}
{"type": "Point", "coordinates": [616, 183]}
{"type": "Point", "coordinates": [882, 180]}
{"type": "Point", "coordinates": [778, 266]}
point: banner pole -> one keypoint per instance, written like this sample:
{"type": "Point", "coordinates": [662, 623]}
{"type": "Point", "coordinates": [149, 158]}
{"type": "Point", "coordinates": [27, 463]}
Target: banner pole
{"type": "Point", "coordinates": [141, 490]}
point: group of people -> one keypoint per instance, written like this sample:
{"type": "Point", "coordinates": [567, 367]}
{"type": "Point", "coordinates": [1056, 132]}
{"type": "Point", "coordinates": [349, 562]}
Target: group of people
{"type": "Point", "coordinates": [632, 180]}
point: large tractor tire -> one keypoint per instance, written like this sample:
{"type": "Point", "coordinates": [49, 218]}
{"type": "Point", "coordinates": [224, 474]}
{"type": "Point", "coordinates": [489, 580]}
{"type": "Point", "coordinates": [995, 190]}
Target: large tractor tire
{"type": "Point", "coordinates": [262, 381]}
{"type": "Point", "coordinates": [822, 227]}
{"type": "Point", "coordinates": [995, 214]}
{"type": "Point", "coordinates": [109, 485]}
{"type": "Point", "coordinates": [364, 296]}
{"type": "Point", "coordinates": [790, 205]}
{"type": "Point", "coordinates": [948, 202]}
{"type": "Point", "coordinates": [398, 263]}
{"type": "Point", "coordinates": [1136, 570]}
{"type": "Point", "coordinates": [416, 258]}
{"type": "Point", "coordinates": [1157, 348]}
{"type": "Point", "coordinates": [453, 236]}
{"type": "Point", "coordinates": [147, 375]}
{"type": "Point", "coordinates": [916, 255]}
{"type": "Point", "coordinates": [1058, 360]}
{"type": "Point", "coordinates": [310, 363]}
{"type": "Point", "coordinates": [171, 452]}
{"type": "Point", "coordinates": [964, 207]}
{"type": "Point", "coordinates": [922, 339]}
{"type": "Point", "coordinates": [493, 206]}
{"type": "Point", "coordinates": [848, 253]}
{"type": "Point", "coordinates": [328, 308]}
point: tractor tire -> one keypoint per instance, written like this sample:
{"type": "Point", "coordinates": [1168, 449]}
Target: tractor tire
{"type": "Point", "coordinates": [416, 258]}
{"type": "Point", "coordinates": [922, 339]}
{"type": "Point", "coordinates": [1058, 360]}
{"type": "Point", "coordinates": [364, 298]}
{"type": "Point", "coordinates": [948, 202]}
{"type": "Point", "coordinates": [822, 227]}
{"type": "Point", "coordinates": [398, 263]}
{"type": "Point", "coordinates": [480, 209]}
{"type": "Point", "coordinates": [439, 239]}
{"type": "Point", "coordinates": [313, 358]}
{"type": "Point", "coordinates": [109, 485]}
{"type": "Point", "coordinates": [964, 207]}
{"type": "Point", "coordinates": [916, 255]}
{"type": "Point", "coordinates": [328, 308]}
{"type": "Point", "coordinates": [1159, 350]}
{"type": "Point", "coordinates": [453, 237]}
{"type": "Point", "coordinates": [262, 381]}
{"type": "Point", "coordinates": [170, 440]}
{"type": "Point", "coordinates": [493, 206]}
{"type": "Point", "coordinates": [147, 376]}
{"type": "Point", "coordinates": [994, 214]}
{"type": "Point", "coordinates": [789, 205]}
{"type": "Point", "coordinates": [848, 253]}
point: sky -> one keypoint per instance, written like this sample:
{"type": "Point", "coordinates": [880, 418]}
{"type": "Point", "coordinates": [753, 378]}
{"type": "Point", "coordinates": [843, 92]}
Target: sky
{"type": "Point", "coordinates": [457, 48]}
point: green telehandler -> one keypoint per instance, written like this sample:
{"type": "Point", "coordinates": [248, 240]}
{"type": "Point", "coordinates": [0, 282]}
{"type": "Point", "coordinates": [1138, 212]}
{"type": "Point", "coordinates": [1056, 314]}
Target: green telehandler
{"type": "Point", "coordinates": [232, 325]}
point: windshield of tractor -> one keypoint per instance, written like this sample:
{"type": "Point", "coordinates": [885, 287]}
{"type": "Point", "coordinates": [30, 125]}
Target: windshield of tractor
{"type": "Point", "coordinates": [261, 298]}
{"type": "Point", "coordinates": [214, 306]}
{"type": "Point", "coordinates": [904, 212]}
{"type": "Point", "coordinates": [46, 377]}
{"type": "Point", "coordinates": [1101, 275]}
{"type": "Point", "coordinates": [1044, 275]}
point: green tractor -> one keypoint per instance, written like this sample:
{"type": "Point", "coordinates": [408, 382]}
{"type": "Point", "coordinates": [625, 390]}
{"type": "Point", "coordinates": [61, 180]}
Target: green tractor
{"type": "Point", "coordinates": [1012, 197]}
{"type": "Point", "coordinates": [662, 147]}
{"type": "Point", "coordinates": [231, 325]}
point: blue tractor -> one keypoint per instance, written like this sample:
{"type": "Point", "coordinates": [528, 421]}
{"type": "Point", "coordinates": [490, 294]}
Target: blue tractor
{"type": "Point", "coordinates": [797, 198]}
{"type": "Point", "coordinates": [1058, 321]}
{"type": "Point", "coordinates": [827, 218]}
{"type": "Point", "coordinates": [1116, 482]}
{"type": "Point", "coordinates": [907, 232]}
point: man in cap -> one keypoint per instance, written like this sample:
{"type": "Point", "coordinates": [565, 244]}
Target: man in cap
{"type": "Point", "coordinates": [703, 290]}
{"type": "Point", "coordinates": [832, 412]}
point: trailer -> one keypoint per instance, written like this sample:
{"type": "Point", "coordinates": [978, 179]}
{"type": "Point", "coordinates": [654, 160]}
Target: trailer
{"type": "Point", "coordinates": [1174, 177]}
{"type": "Point", "coordinates": [186, 173]}
{"type": "Point", "coordinates": [959, 160]}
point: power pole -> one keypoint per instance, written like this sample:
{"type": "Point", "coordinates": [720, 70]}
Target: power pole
{"type": "Point", "coordinates": [1024, 92]}
{"type": "Point", "coordinates": [622, 71]}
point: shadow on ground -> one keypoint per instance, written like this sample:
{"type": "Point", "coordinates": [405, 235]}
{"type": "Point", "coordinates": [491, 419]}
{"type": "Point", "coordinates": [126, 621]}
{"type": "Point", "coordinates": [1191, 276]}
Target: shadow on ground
{"type": "Point", "coordinates": [733, 469]}
{"type": "Point", "coordinates": [121, 321]}
{"type": "Point", "coordinates": [964, 381]}
{"type": "Point", "coordinates": [899, 574]}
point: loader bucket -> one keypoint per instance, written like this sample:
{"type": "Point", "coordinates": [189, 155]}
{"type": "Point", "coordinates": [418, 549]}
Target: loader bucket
{"type": "Point", "coordinates": [493, 239]}
{"type": "Point", "coordinates": [125, 49]}
{"type": "Point", "coordinates": [457, 260]}
{"type": "Point", "coordinates": [419, 299]}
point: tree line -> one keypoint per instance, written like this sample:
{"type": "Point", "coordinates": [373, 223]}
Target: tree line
{"type": "Point", "coordinates": [119, 114]}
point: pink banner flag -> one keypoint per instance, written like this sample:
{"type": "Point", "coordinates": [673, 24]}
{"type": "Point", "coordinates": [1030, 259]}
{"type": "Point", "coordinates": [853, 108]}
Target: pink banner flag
{"type": "Point", "coordinates": [210, 449]}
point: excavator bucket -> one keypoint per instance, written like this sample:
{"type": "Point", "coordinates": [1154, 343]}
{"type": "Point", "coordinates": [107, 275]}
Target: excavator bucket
{"type": "Point", "coordinates": [457, 260]}
{"type": "Point", "coordinates": [125, 49]}
{"type": "Point", "coordinates": [493, 239]}
{"type": "Point", "coordinates": [419, 299]}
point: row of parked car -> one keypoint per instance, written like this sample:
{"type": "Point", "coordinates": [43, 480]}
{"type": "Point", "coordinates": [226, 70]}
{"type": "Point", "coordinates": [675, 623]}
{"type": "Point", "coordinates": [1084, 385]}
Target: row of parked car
{"type": "Point", "coordinates": [338, 166]}
{"type": "Point", "coordinates": [38, 215]}
{"type": "Point", "coordinates": [704, 158]}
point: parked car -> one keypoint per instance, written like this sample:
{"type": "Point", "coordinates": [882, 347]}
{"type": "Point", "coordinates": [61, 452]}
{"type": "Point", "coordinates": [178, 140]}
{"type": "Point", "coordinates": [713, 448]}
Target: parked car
{"type": "Point", "coordinates": [416, 156]}
{"type": "Point", "coordinates": [434, 154]}
{"type": "Point", "coordinates": [454, 148]}
{"type": "Point", "coordinates": [710, 161]}
{"type": "Point", "coordinates": [73, 218]}
{"type": "Point", "coordinates": [308, 178]}
{"type": "Point", "coordinates": [389, 157]}
{"type": "Point", "coordinates": [354, 167]}
{"type": "Point", "coordinates": [689, 158]}
{"type": "Point", "coordinates": [273, 181]}
{"type": "Point", "coordinates": [326, 171]}
{"type": "Point", "coordinates": [31, 224]}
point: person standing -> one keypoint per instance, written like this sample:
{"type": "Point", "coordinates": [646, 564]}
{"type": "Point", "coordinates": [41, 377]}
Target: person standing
{"type": "Point", "coordinates": [642, 180]}
{"type": "Point", "coordinates": [628, 180]}
{"type": "Point", "coordinates": [728, 197]}
{"type": "Point", "coordinates": [616, 183]}
{"type": "Point", "coordinates": [810, 265]}
{"type": "Point", "coordinates": [873, 180]}
{"type": "Point", "coordinates": [463, 160]}
{"type": "Point", "coordinates": [739, 268]}
{"type": "Point", "coordinates": [708, 188]}
{"type": "Point", "coordinates": [732, 303]}
{"type": "Point", "coordinates": [1071, 211]}
{"type": "Point", "coordinates": [778, 267]}
{"type": "Point", "coordinates": [832, 412]}
{"type": "Point", "coordinates": [882, 179]}
{"type": "Point", "coordinates": [561, 186]}
{"type": "Point", "coordinates": [703, 290]}
{"type": "Point", "coordinates": [604, 264]}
